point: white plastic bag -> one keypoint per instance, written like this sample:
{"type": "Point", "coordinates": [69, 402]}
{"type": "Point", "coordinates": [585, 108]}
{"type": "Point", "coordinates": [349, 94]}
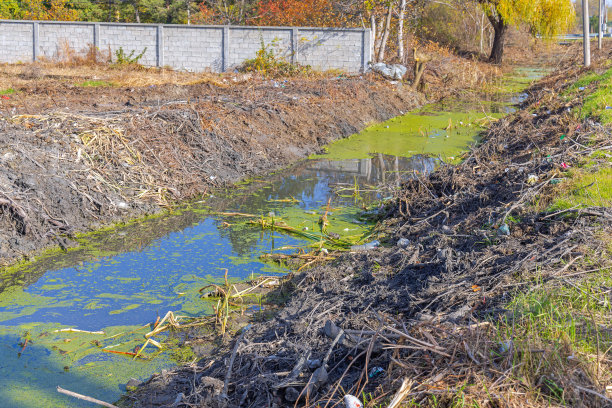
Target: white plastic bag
{"type": "Point", "coordinates": [352, 402]}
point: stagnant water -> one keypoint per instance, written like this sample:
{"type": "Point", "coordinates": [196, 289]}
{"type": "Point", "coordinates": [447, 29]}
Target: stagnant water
{"type": "Point", "coordinates": [120, 280]}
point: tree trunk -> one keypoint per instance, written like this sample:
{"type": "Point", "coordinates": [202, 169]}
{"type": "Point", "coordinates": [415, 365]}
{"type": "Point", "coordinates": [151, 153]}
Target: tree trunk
{"type": "Point", "coordinates": [240, 21]}
{"type": "Point", "coordinates": [497, 51]}
{"type": "Point", "coordinates": [400, 31]}
{"type": "Point", "coordinates": [482, 32]}
{"type": "Point", "coordinates": [600, 33]}
{"type": "Point", "coordinates": [385, 37]}
{"type": "Point", "coordinates": [377, 35]}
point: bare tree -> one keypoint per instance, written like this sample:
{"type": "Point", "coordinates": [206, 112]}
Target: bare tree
{"type": "Point", "coordinates": [387, 30]}
{"type": "Point", "coordinates": [400, 30]}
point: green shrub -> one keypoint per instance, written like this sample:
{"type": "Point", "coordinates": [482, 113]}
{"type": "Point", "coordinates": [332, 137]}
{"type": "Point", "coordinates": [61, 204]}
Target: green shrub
{"type": "Point", "coordinates": [122, 58]}
{"type": "Point", "coordinates": [269, 65]}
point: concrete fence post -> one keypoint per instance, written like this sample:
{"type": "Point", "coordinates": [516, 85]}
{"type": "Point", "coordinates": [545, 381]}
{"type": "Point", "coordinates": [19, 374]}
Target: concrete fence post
{"type": "Point", "coordinates": [366, 52]}
{"type": "Point", "coordinates": [160, 45]}
{"type": "Point", "coordinates": [226, 49]}
{"type": "Point", "coordinates": [294, 45]}
{"type": "Point", "coordinates": [35, 41]}
{"type": "Point", "coordinates": [96, 36]}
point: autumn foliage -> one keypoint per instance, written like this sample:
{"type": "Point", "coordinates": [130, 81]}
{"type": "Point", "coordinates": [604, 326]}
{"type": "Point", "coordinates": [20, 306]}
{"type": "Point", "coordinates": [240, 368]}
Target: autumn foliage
{"type": "Point", "coordinates": [297, 13]}
{"type": "Point", "coordinates": [48, 10]}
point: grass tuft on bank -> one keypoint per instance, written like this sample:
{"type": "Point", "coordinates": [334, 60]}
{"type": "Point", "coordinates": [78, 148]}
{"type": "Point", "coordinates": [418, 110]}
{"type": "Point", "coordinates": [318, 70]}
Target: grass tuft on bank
{"type": "Point", "coordinates": [585, 188]}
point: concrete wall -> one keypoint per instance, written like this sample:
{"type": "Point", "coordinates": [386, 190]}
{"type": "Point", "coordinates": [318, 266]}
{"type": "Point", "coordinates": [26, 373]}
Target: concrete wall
{"type": "Point", "coordinates": [16, 42]}
{"type": "Point", "coordinates": [191, 48]}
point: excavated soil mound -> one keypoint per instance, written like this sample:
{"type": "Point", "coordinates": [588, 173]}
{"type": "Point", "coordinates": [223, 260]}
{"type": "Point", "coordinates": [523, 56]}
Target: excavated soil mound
{"type": "Point", "coordinates": [74, 158]}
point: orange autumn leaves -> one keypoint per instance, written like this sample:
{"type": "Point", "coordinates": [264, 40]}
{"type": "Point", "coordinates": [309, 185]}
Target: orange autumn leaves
{"type": "Point", "coordinates": [304, 13]}
{"type": "Point", "coordinates": [298, 13]}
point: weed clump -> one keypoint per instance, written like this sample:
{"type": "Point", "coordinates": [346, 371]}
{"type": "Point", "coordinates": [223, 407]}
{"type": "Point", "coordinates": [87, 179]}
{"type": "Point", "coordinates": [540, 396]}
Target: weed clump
{"type": "Point", "coordinates": [270, 65]}
{"type": "Point", "coordinates": [122, 58]}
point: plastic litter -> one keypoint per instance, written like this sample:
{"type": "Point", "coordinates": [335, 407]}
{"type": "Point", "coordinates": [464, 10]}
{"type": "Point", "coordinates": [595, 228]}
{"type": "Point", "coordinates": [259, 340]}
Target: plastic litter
{"type": "Point", "coordinates": [366, 247]}
{"type": "Point", "coordinates": [351, 401]}
{"type": "Point", "coordinates": [582, 88]}
{"type": "Point", "coordinates": [504, 229]}
{"type": "Point", "coordinates": [376, 371]}
{"type": "Point", "coordinates": [403, 243]}
{"type": "Point", "coordinates": [565, 165]}
{"type": "Point", "coordinates": [505, 346]}
{"type": "Point", "coordinates": [390, 71]}
{"type": "Point", "coordinates": [532, 179]}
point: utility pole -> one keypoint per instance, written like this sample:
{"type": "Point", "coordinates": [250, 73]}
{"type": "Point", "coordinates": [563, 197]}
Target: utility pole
{"type": "Point", "coordinates": [600, 33]}
{"type": "Point", "coordinates": [189, 12]}
{"type": "Point", "coordinates": [585, 32]}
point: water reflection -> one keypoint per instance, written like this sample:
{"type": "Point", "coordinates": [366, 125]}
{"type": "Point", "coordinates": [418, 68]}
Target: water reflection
{"type": "Point", "coordinates": [312, 183]}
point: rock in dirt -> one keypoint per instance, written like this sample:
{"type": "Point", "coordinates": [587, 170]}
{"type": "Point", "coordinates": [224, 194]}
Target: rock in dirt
{"type": "Point", "coordinates": [291, 394]}
{"type": "Point", "coordinates": [403, 243]}
{"type": "Point", "coordinates": [395, 71]}
{"type": "Point", "coordinates": [331, 330]}
{"type": "Point", "coordinates": [319, 378]}
{"type": "Point", "coordinates": [211, 389]}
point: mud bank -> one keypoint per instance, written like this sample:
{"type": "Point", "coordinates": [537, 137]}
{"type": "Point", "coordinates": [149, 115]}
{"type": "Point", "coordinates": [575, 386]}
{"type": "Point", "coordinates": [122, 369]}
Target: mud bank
{"type": "Point", "coordinates": [424, 307]}
{"type": "Point", "coordinates": [75, 158]}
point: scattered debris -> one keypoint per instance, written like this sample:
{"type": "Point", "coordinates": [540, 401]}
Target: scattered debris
{"type": "Point", "coordinates": [395, 71]}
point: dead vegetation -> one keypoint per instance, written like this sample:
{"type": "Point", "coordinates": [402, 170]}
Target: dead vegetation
{"type": "Point", "coordinates": [497, 301]}
{"type": "Point", "coordinates": [118, 152]}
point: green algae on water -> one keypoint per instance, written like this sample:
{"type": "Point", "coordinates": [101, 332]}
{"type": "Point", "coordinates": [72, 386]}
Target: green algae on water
{"type": "Point", "coordinates": [429, 132]}
{"type": "Point", "coordinates": [71, 360]}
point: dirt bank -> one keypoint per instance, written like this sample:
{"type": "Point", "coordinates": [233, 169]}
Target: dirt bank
{"type": "Point", "coordinates": [75, 157]}
{"type": "Point", "coordinates": [434, 309]}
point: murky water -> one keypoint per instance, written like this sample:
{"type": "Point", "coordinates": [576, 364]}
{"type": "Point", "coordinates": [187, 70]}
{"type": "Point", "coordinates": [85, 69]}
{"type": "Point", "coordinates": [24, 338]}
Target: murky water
{"type": "Point", "coordinates": [119, 280]}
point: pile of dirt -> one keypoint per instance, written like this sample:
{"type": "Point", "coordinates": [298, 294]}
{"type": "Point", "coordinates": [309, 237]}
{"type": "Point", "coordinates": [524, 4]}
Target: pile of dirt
{"type": "Point", "coordinates": [74, 158]}
{"type": "Point", "coordinates": [457, 244]}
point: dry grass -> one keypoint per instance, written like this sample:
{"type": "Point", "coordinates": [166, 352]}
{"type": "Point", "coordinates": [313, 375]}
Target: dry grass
{"type": "Point", "coordinates": [22, 75]}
